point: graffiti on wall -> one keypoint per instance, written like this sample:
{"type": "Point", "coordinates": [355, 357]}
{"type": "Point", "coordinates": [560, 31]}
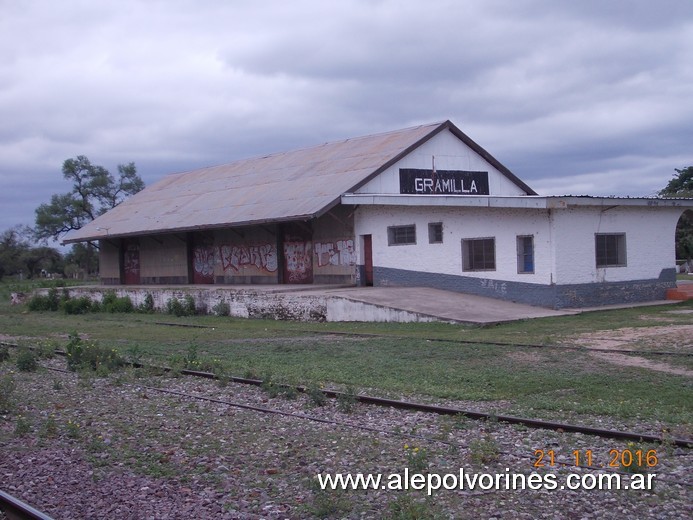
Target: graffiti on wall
{"type": "Point", "coordinates": [340, 252]}
{"type": "Point", "coordinates": [131, 259]}
{"type": "Point", "coordinates": [299, 261]}
{"type": "Point", "coordinates": [262, 256]}
{"type": "Point", "coordinates": [203, 260]}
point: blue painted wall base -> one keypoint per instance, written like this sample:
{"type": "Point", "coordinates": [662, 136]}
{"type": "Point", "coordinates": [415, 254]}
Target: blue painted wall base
{"type": "Point", "coordinates": [552, 296]}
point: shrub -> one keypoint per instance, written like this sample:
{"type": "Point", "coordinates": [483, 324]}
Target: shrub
{"type": "Point", "coordinates": [189, 305]}
{"type": "Point", "coordinates": [81, 305]}
{"type": "Point", "coordinates": [134, 355]}
{"type": "Point", "coordinates": [26, 360]}
{"type": "Point", "coordinates": [346, 401]}
{"type": "Point", "coordinates": [7, 388]}
{"type": "Point", "coordinates": [185, 308]}
{"type": "Point", "coordinates": [48, 302]}
{"type": "Point", "coordinates": [222, 308]}
{"type": "Point", "coordinates": [417, 458]}
{"type": "Point", "coordinates": [147, 305]}
{"type": "Point", "coordinates": [22, 427]}
{"type": "Point", "coordinates": [271, 388]}
{"type": "Point", "coordinates": [89, 355]}
{"type": "Point", "coordinates": [113, 303]}
{"type": "Point", "coordinates": [45, 349]}
{"type": "Point", "coordinates": [485, 450]}
{"type": "Point", "coordinates": [190, 358]}
{"type": "Point", "coordinates": [407, 507]}
{"type": "Point", "coordinates": [4, 353]}
{"type": "Point", "coordinates": [316, 396]}
{"type": "Point", "coordinates": [38, 302]}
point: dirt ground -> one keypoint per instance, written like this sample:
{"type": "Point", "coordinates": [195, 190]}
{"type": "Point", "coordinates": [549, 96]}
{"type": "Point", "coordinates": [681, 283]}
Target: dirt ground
{"type": "Point", "coordinates": [667, 338]}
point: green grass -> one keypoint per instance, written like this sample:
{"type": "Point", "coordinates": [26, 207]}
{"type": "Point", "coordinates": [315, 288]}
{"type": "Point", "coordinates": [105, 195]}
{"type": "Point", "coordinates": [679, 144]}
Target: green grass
{"type": "Point", "coordinates": [402, 359]}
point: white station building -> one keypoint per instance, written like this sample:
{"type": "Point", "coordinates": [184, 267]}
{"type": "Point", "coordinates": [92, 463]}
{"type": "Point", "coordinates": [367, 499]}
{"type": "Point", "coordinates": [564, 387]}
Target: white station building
{"type": "Point", "coordinates": [423, 206]}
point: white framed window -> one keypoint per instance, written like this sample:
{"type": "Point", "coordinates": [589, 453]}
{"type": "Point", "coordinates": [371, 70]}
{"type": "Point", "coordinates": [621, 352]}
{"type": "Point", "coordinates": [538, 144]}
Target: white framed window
{"type": "Point", "coordinates": [610, 249]}
{"type": "Point", "coordinates": [525, 254]}
{"type": "Point", "coordinates": [401, 235]}
{"type": "Point", "coordinates": [479, 254]}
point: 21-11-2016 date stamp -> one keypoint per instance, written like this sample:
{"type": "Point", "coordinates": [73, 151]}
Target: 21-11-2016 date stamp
{"type": "Point", "coordinates": [625, 459]}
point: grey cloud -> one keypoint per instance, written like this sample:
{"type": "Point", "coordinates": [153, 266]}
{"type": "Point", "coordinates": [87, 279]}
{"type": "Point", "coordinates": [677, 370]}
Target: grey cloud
{"type": "Point", "coordinates": [561, 92]}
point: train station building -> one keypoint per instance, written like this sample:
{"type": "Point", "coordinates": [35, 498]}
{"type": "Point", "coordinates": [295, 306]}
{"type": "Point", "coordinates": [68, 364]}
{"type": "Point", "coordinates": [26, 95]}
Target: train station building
{"type": "Point", "coordinates": [424, 206]}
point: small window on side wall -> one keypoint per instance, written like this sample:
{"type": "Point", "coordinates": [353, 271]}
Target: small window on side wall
{"type": "Point", "coordinates": [401, 235]}
{"type": "Point", "coordinates": [525, 254]}
{"type": "Point", "coordinates": [435, 233]}
{"type": "Point", "coordinates": [610, 249]}
{"type": "Point", "coordinates": [479, 254]}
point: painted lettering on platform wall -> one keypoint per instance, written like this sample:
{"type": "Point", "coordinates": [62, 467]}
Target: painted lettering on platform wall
{"type": "Point", "coordinates": [260, 256]}
{"type": "Point", "coordinates": [500, 288]}
{"type": "Point", "coordinates": [336, 253]}
{"type": "Point", "coordinates": [413, 181]}
{"type": "Point", "coordinates": [299, 260]}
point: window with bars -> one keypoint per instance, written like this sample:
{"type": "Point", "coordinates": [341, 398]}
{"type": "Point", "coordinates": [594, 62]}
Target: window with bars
{"type": "Point", "coordinates": [479, 254]}
{"type": "Point", "coordinates": [401, 235]}
{"type": "Point", "coordinates": [435, 233]}
{"type": "Point", "coordinates": [610, 249]}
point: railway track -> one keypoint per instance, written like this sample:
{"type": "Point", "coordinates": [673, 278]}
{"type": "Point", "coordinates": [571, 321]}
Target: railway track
{"type": "Point", "coordinates": [406, 435]}
{"type": "Point", "coordinates": [452, 411]}
{"type": "Point", "coordinates": [180, 396]}
{"type": "Point", "coordinates": [447, 410]}
{"type": "Point", "coordinates": [15, 509]}
{"type": "Point", "coordinates": [462, 341]}
{"type": "Point", "coordinates": [260, 408]}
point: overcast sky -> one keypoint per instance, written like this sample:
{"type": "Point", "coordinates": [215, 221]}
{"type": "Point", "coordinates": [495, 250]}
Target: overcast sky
{"type": "Point", "coordinates": [575, 97]}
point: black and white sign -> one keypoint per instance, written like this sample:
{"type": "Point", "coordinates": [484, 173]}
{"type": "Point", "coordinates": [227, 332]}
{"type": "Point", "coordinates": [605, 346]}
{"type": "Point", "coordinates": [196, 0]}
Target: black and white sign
{"type": "Point", "coordinates": [414, 181]}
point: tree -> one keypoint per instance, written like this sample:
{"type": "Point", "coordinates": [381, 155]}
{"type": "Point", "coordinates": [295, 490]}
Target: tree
{"type": "Point", "coordinates": [17, 255]}
{"type": "Point", "coordinates": [13, 244]}
{"type": "Point", "coordinates": [682, 186]}
{"type": "Point", "coordinates": [79, 260]}
{"type": "Point", "coordinates": [94, 191]}
{"type": "Point", "coordinates": [37, 259]}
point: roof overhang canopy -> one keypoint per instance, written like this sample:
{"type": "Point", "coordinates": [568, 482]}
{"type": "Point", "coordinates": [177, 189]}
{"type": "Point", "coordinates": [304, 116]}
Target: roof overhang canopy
{"type": "Point", "coordinates": [523, 202]}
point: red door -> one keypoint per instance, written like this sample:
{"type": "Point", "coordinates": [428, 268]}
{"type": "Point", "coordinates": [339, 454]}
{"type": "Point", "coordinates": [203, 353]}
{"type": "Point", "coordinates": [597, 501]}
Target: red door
{"type": "Point", "coordinates": [368, 259]}
{"type": "Point", "coordinates": [131, 263]}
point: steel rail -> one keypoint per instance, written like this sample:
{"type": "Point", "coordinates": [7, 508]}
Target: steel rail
{"type": "Point", "coordinates": [15, 509]}
{"type": "Point", "coordinates": [435, 440]}
{"type": "Point", "coordinates": [461, 341]}
{"type": "Point", "coordinates": [447, 410]}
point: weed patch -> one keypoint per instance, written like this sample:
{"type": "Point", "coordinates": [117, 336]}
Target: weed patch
{"type": "Point", "coordinates": [26, 360]}
{"type": "Point", "coordinates": [7, 388]}
{"type": "Point", "coordinates": [90, 355]}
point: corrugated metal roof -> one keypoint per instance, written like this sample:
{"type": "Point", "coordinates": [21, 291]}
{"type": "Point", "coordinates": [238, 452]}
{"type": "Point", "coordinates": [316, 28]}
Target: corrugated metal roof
{"type": "Point", "coordinates": [293, 185]}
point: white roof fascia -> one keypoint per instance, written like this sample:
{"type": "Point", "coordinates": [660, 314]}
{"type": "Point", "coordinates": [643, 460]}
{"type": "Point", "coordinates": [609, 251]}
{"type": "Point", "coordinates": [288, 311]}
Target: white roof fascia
{"type": "Point", "coordinates": [521, 202]}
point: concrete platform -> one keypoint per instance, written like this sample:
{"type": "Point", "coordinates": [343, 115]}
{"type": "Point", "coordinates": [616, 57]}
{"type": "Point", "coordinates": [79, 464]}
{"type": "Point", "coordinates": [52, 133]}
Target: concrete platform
{"type": "Point", "coordinates": [340, 303]}
{"type": "Point", "coordinates": [439, 305]}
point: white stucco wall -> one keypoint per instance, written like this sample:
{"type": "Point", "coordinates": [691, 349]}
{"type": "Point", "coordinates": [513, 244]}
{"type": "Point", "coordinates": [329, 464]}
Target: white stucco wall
{"type": "Point", "coordinates": [450, 154]}
{"type": "Point", "coordinates": [458, 223]}
{"type": "Point", "coordinates": [650, 242]}
{"type": "Point", "coordinates": [564, 243]}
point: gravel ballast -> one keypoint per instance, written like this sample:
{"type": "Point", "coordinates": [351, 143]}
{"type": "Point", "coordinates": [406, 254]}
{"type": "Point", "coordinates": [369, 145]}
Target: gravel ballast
{"type": "Point", "coordinates": [124, 446]}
